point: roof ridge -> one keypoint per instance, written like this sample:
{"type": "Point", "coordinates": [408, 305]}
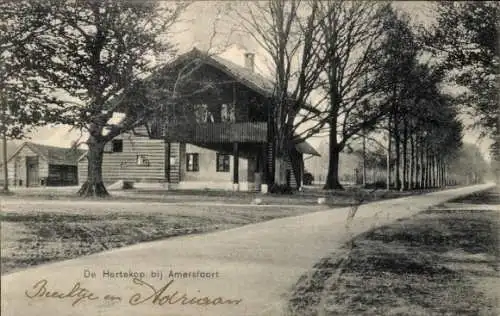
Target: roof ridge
{"type": "Point", "coordinates": [50, 146]}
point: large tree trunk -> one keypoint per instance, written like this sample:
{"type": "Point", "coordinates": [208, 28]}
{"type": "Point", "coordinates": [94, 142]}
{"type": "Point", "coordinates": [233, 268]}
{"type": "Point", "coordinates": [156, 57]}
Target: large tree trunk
{"type": "Point", "coordinates": [438, 175]}
{"type": "Point", "coordinates": [280, 171]}
{"type": "Point", "coordinates": [364, 161]}
{"type": "Point", "coordinates": [411, 182]}
{"type": "Point", "coordinates": [404, 179]}
{"type": "Point", "coordinates": [94, 186]}
{"type": "Point", "coordinates": [397, 166]}
{"type": "Point", "coordinates": [429, 171]}
{"type": "Point", "coordinates": [5, 166]}
{"type": "Point", "coordinates": [418, 183]}
{"type": "Point", "coordinates": [422, 165]}
{"type": "Point", "coordinates": [397, 147]}
{"type": "Point", "coordinates": [433, 173]}
{"type": "Point", "coordinates": [332, 178]}
{"type": "Point", "coordinates": [388, 160]}
{"type": "Point", "coordinates": [426, 168]}
{"type": "Point", "coordinates": [438, 172]}
{"type": "Point", "coordinates": [4, 146]}
{"type": "Point", "coordinates": [445, 174]}
{"type": "Point", "coordinates": [283, 159]}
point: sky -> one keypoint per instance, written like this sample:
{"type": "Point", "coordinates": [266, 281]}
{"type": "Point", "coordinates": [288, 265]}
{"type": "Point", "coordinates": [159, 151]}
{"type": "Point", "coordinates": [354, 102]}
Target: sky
{"type": "Point", "coordinates": [197, 28]}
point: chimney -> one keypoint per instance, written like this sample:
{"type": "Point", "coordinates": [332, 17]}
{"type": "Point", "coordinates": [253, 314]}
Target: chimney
{"type": "Point", "coordinates": [250, 61]}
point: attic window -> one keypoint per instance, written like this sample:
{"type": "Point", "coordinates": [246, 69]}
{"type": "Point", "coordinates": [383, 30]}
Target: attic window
{"type": "Point", "coordinates": [117, 145]}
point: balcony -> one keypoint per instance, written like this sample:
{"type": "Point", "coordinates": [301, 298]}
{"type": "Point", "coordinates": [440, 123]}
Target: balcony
{"type": "Point", "coordinates": [246, 132]}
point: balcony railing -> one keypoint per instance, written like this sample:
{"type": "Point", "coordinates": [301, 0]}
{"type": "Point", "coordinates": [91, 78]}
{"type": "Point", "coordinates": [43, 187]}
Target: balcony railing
{"type": "Point", "coordinates": [251, 132]}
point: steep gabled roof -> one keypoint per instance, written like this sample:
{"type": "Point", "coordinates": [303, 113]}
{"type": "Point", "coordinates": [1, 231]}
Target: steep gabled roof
{"type": "Point", "coordinates": [247, 77]}
{"type": "Point", "coordinates": [54, 155]}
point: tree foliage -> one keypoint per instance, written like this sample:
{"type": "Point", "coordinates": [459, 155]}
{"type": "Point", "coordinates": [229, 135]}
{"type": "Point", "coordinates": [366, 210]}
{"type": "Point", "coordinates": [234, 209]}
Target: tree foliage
{"type": "Point", "coordinates": [421, 120]}
{"type": "Point", "coordinates": [466, 37]}
{"type": "Point", "coordinates": [22, 107]}
{"type": "Point", "coordinates": [88, 58]}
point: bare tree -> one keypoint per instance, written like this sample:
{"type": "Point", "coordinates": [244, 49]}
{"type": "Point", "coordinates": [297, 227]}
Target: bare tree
{"type": "Point", "coordinates": [352, 33]}
{"type": "Point", "coordinates": [288, 31]}
{"type": "Point", "coordinates": [97, 53]}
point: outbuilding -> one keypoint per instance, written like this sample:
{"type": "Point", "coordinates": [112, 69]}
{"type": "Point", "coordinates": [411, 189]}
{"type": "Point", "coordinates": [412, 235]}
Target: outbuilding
{"type": "Point", "coordinates": [34, 165]}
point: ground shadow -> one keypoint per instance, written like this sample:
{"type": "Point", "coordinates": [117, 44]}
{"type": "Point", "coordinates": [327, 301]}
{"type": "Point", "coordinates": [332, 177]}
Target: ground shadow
{"type": "Point", "coordinates": [425, 265]}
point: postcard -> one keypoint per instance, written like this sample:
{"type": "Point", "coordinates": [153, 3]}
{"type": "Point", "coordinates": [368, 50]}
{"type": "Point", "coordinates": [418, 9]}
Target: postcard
{"type": "Point", "coordinates": [267, 158]}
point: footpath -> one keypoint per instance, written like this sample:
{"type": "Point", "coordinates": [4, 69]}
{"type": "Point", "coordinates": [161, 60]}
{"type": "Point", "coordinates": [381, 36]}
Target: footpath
{"type": "Point", "coordinates": [243, 271]}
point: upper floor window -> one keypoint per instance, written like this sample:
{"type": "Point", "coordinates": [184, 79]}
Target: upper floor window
{"type": "Point", "coordinates": [227, 113]}
{"type": "Point", "coordinates": [117, 145]}
{"type": "Point", "coordinates": [223, 162]}
{"type": "Point", "coordinates": [202, 114]}
{"type": "Point", "coordinates": [192, 162]}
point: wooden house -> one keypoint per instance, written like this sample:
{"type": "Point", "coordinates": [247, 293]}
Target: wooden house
{"type": "Point", "coordinates": [219, 138]}
{"type": "Point", "coordinates": [38, 165]}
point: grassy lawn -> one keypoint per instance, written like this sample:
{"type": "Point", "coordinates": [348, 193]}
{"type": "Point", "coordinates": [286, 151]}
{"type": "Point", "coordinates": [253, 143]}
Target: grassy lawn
{"type": "Point", "coordinates": [439, 262]}
{"type": "Point", "coordinates": [310, 195]}
{"type": "Point", "coordinates": [39, 232]}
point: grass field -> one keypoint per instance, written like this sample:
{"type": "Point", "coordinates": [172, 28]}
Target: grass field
{"type": "Point", "coordinates": [440, 262]}
{"type": "Point", "coordinates": [34, 232]}
{"type": "Point", "coordinates": [52, 224]}
{"type": "Point", "coordinates": [309, 196]}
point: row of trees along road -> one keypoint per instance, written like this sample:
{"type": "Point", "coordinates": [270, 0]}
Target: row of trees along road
{"type": "Point", "coordinates": [346, 60]}
{"type": "Point", "coordinates": [423, 130]}
{"type": "Point", "coordinates": [465, 37]}
{"type": "Point", "coordinates": [364, 58]}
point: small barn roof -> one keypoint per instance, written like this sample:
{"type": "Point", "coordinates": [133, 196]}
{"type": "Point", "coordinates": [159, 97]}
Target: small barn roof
{"type": "Point", "coordinates": [306, 148]}
{"type": "Point", "coordinates": [54, 155]}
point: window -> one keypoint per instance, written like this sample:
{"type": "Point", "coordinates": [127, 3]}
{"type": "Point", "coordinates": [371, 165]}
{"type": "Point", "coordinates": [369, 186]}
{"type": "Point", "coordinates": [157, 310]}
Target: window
{"type": "Point", "coordinates": [117, 145]}
{"type": "Point", "coordinates": [227, 113]}
{"type": "Point", "coordinates": [192, 162]}
{"type": "Point", "coordinates": [202, 114]}
{"type": "Point", "coordinates": [223, 162]}
{"type": "Point", "coordinates": [142, 160]}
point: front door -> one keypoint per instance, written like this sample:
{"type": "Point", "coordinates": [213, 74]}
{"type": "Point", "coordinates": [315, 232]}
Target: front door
{"type": "Point", "coordinates": [32, 178]}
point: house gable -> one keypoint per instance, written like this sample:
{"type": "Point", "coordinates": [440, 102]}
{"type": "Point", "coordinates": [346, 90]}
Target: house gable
{"type": "Point", "coordinates": [248, 77]}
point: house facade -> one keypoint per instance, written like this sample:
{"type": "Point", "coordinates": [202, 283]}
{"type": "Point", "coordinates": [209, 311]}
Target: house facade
{"type": "Point", "coordinates": [217, 138]}
{"type": "Point", "coordinates": [136, 157]}
{"type": "Point", "coordinates": [34, 165]}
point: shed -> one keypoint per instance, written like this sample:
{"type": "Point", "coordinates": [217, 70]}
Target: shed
{"type": "Point", "coordinates": [36, 164]}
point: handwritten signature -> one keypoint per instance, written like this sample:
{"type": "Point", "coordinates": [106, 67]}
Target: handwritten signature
{"type": "Point", "coordinates": [146, 294]}
{"type": "Point", "coordinates": [158, 297]}
{"type": "Point", "coordinates": [78, 293]}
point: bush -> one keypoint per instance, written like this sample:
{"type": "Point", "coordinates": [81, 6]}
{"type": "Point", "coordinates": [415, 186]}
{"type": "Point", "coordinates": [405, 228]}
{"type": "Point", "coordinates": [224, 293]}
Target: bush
{"type": "Point", "coordinates": [308, 178]}
{"type": "Point", "coordinates": [376, 185]}
{"type": "Point", "coordinates": [281, 189]}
